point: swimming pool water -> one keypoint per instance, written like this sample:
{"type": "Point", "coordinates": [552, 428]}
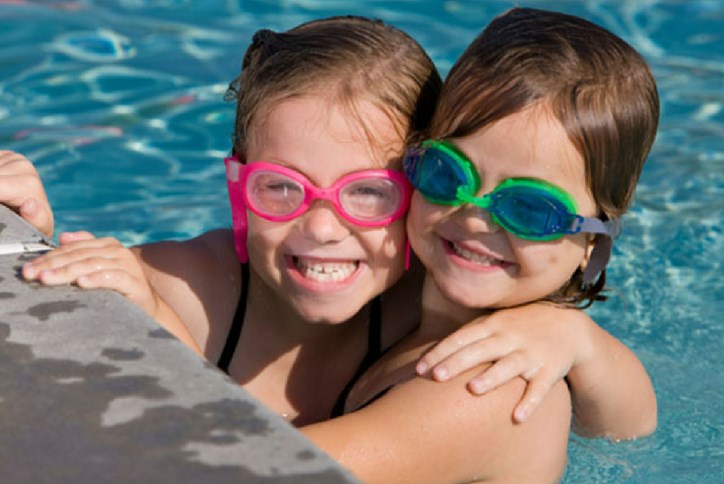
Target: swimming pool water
{"type": "Point", "coordinates": [120, 105]}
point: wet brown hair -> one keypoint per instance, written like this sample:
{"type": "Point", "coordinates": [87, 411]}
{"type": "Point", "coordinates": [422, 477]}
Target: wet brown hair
{"type": "Point", "coordinates": [347, 59]}
{"type": "Point", "coordinates": [597, 86]}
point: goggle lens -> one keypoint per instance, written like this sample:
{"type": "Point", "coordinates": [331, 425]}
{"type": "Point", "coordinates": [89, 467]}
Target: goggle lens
{"type": "Point", "coordinates": [370, 199]}
{"type": "Point", "coordinates": [530, 213]}
{"type": "Point", "coordinates": [435, 174]}
{"type": "Point", "coordinates": [273, 193]}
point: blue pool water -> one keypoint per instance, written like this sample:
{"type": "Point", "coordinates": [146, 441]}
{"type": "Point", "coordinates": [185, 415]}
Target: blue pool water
{"type": "Point", "coordinates": [120, 105]}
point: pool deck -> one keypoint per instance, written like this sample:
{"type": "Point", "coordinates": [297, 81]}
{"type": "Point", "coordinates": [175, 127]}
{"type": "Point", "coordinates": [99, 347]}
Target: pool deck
{"type": "Point", "coordinates": [93, 390]}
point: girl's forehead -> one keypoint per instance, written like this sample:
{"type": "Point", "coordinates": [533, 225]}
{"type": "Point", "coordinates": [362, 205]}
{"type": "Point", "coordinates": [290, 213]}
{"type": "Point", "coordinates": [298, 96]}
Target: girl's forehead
{"type": "Point", "coordinates": [315, 131]}
{"type": "Point", "coordinates": [532, 139]}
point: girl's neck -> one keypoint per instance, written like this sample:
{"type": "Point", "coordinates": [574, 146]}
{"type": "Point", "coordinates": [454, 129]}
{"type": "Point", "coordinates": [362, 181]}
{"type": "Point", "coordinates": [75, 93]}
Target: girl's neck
{"type": "Point", "coordinates": [296, 367]}
{"type": "Point", "coordinates": [440, 315]}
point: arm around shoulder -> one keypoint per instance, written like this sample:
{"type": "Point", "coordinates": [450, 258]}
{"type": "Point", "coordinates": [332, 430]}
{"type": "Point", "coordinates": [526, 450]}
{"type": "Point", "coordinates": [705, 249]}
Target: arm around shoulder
{"type": "Point", "coordinates": [425, 431]}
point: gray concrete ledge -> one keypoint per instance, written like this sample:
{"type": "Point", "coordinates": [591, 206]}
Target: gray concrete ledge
{"type": "Point", "coordinates": [92, 390]}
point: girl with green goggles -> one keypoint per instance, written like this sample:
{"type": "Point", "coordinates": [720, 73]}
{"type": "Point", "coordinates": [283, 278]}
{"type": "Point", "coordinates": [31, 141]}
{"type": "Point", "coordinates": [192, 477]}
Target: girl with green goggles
{"type": "Point", "coordinates": [526, 207]}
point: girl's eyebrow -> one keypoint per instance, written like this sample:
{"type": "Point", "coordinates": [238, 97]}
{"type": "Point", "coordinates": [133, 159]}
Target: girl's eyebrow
{"type": "Point", "coordinates": [288, 166]}
{"type": "Point", "coordinates": [276, 161]}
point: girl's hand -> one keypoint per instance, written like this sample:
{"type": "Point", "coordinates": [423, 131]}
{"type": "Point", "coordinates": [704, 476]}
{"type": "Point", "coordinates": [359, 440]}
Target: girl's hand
{"type": "Point", "coordinates": [538, 342]}
{"type": "Point", "coordinates": [22, 190]}
{"type": "Point", "coordinates": [89, 263]}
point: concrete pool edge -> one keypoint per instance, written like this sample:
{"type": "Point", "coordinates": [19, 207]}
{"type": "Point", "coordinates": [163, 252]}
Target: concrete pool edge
{"type": "Point", "coordinates": [93, 389]}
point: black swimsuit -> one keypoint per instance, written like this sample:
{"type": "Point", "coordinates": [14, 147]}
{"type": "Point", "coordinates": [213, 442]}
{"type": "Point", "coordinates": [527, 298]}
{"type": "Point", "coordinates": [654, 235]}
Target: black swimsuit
{"type": "Point", "coordinates": [374, 339]}
{"type": "Point", "coordinates": [232, 339]}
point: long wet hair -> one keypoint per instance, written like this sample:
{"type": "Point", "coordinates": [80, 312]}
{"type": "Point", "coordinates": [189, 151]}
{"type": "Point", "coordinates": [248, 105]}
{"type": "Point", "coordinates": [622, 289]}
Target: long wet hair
{"type": "Point", "coordinates": [346, 59]}
{"type": "Point", "coordinates": [596, 85]}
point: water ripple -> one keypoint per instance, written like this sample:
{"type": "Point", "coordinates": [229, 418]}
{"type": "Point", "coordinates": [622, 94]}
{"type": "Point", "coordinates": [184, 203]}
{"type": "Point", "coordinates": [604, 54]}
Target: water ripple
{"type": "Point", "coordinates": [99, 46]}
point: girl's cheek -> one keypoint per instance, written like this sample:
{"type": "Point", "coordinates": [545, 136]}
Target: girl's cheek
{"type": "Point", "coordinates": [264, 238]}
{"type": "Point", "coordinates": [398, 233]}
{"type": "Point", "coordinates": [421, 220]}
{"type": "Point", "coordinates": [558, 259]}
{"type": "Point", "coordinates": [386, 245]}
{"type": "Point", "coordinates": [424, 216]}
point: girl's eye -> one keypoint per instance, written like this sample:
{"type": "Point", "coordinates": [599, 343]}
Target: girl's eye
{"type": "Point", "coordinates": [273, 183]}
{"type": "Point", "coordinates": [376, 190]}
{"type": "Point", "coordinates": [281, 187]}
{"type": "Point", "coordinates": [368, 191]}
{"type": "Point", "coordinates": [371, 199]}
{"type": "Point", "coordinates": [274, 193]}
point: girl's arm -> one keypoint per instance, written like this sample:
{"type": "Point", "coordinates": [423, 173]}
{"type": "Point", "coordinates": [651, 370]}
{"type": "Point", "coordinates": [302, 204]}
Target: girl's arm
{"type": "Point", "coordinates": [93, 263]}
{"type": "Point", "coordinates": [611, 390]}
{"type": "Point", "coordinates": [423, 431]}
{"type": "Point", "coordinates": [200, 279]}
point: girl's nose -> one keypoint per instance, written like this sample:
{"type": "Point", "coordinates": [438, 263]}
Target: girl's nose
{"type": "Point", "coordinates": [475, 219]}
{"type": "Point", "coordinates": [323, 224]}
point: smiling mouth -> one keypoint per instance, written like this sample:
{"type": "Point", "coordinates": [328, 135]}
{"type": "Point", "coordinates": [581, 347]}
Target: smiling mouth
{"type": "Point", "coordinates": [474, 257]}
{"type": "Point", "coordinates": [325, 271]}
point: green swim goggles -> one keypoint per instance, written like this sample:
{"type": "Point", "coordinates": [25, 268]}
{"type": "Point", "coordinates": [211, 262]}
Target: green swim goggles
{"type": "Point", "coordinates": [528, 208]}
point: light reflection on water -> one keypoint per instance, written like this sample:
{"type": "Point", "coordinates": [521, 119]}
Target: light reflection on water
{"type": "Point", "coordinates": [119, 103]}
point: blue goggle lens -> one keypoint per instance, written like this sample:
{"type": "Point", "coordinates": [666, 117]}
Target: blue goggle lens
{"type": "Point", "coordinates": [530, 213]}
{"type": "Point", "coordinates": [435, 174]}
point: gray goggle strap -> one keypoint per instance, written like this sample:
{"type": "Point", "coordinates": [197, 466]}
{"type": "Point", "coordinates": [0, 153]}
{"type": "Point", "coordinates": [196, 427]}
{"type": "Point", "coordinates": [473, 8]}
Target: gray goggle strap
{"type": "Point", "coordinates": [602, 251]}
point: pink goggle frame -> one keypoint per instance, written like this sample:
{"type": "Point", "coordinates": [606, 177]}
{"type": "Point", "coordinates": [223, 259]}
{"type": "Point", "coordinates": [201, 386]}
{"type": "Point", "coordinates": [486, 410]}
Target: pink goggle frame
{"type": "Point", "coordinates": [238, 174]}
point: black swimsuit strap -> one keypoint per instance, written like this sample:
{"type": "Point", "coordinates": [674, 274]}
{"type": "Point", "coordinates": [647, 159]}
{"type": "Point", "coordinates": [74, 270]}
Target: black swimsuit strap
{"type": "Point", "coordinates": [232, 340]}
{"type": "Point", "coordinates": [374, 351]}
{"type": "Point", "coordinates": [374, 339]}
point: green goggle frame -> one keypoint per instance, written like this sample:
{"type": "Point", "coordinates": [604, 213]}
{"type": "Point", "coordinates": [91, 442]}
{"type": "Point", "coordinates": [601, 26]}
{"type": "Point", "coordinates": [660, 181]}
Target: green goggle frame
{"type": "Point", "coordinates": [529, 208]}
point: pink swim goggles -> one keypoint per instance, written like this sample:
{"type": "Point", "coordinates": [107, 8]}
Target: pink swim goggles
{"type": "Point", "coordinates": [368, 198]}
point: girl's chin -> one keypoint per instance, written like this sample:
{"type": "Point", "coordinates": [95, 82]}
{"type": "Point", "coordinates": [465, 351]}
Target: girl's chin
{"type": "Point", "coordinates": [472, 291]}
{"type": "Point", "coordinates": [331, 313]}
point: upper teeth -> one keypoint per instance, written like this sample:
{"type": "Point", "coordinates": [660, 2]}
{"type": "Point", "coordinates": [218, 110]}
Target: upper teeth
{"type": "Point", "coordinates": [325, 271]}
{"type": "Point", "coordinates": [473, 256]}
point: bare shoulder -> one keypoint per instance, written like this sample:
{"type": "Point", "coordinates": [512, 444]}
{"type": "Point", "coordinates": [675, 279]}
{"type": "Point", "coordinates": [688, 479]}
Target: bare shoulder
{"type": "Point", "coordinates": [189, 260]}
{"type": "Point", "coordinates": [429, 431]}
{"type": "Point", "coordinates": [199, 278]}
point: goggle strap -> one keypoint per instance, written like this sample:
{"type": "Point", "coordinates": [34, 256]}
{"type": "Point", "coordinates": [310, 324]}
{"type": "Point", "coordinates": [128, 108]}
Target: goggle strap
{"type": "Point", "coordinates": [602, 251]}
{"type": "Point", "coordinates": [233, 170]}
{"type": "Point", "coordinates": [238, 208]}
{"type": "Point", "coordinates": [591, 225]}
{"type": "Point", "coordinates": [598, 261]}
